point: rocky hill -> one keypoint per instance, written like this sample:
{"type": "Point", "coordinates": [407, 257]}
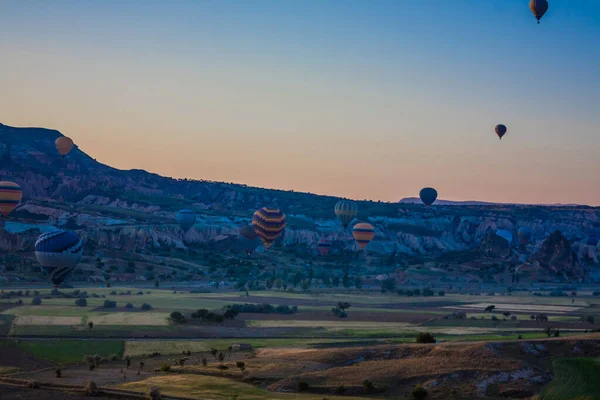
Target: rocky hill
{"type": "Point", "coordinates": [134, 211]}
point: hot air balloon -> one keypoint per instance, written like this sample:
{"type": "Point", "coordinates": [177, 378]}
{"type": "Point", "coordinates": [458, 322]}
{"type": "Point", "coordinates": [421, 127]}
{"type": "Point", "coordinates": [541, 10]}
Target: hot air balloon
{"type": "Point", "coordinates": [186, 219]}
{"type": "Point", "coordinates": [10, 196]}
{"type": "Point", "coordinates": [500, 130]}
{"type": "Point", "coordinates": [268, 224]}
{"type": "Point", "coordinates": [346, 211]}
{"type": "Point", "coordinates": [428, 195]}
{"type": "Point", "coordinates": [524, 234]}
{"type": "Point", "coordinates": [504, 234]}
{"type": "Point", "coordinates": [64, 145]}
{"type": "Point", "coordinates": [250, 239]}
{"type": "Point", "coordinates": [538, 8]}
{"type": "Point", "coordinates": [363, 234]}
{"type": "Point", "coordinates": [324, 246]}
{"type": "Point", "coordinates": [58, 253]}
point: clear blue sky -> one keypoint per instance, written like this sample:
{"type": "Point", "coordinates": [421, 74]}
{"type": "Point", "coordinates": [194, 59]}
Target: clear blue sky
{"type": "Point", "coordinates": [365, 99]}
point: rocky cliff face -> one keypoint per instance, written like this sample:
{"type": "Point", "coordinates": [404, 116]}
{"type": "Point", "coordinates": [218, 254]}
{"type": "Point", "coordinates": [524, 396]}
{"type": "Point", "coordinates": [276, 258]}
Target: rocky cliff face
{"type": "Point", "coordinates": [134, 211]}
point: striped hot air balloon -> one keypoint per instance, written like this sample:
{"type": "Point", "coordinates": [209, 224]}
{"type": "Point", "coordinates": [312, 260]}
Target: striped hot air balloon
{"type": "Point", "coordinates": [346, 211]}
{"type": "Point", "coordinates": [10, 197]}
{"type": "Point", "coordinates": [64, 145]}
{"type": "Point", "coordinates": [268, 224]}
{"type": "Point", "coordinates": [186, 219]}
{"type": "Point", "coordinates": [58, 253]}
{"type": "Point", "coordinates": [324, 246]}
{"type": "Point", "coordinates": [363, 234]}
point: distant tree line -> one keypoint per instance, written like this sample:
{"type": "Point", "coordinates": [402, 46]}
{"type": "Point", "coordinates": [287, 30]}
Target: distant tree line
{"type": "Point", "coordinates": [262, 308]}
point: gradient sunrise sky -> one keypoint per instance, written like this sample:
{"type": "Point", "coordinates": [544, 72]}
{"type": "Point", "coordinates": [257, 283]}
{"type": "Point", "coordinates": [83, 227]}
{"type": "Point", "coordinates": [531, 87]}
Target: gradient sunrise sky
{"type": "Point", "coordinates": [364, 99]}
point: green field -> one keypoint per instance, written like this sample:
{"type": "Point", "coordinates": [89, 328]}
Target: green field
{"type": "Point", "coordinates": [68, 351]}
{"type": "Point", "coordinates": [574, 379]}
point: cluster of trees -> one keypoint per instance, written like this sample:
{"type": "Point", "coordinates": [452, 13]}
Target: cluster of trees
{"type": "Point", "coordinates": [427, 292]}
{"type": "Point", "coordinates": [340, 309]}
{"type": "Point", "coordinates": [209, 316]}
{"type": "Point", "coordinates": [262, 308]}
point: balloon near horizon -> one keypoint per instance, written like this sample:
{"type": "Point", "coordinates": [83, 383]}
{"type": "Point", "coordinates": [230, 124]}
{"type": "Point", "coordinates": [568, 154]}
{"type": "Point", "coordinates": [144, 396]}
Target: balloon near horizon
{"type": "Point", "coordinates": [268, 223]}
{"type": "Point", "coordinates": [10, 197]}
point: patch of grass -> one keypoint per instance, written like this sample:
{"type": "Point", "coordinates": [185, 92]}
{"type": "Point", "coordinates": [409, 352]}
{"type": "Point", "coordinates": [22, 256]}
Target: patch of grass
{"type": "Point", "coordinates": [575, 379]}
{"type": "Point", "coordinates": [69, 351]}
{"type": "Point", "coordinates": [215, 388]}
{"type": "Point", "coordinates": [9, 370]}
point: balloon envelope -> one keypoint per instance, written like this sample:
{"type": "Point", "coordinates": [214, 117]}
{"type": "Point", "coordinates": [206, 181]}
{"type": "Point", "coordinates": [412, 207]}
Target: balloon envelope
{"type": "Point", "coordinates": [248, 232]}
{"type": "Point", "coordinates": [324, 246]}
{"type": "Point", "coordinates": [428, 195]}
{"type": "Point", "coordinates": [501, 130]}
{"type": "Point", "coordinates": [346, 211]}
{"type": "Point", "coordinates": [64, 145]}
{"type": "Point", "coordinates": [10, 197]}
{"type": "Point", "coordinates": [58, 253]}
{"type": "Point", "coordinates": [504, 234]}
{"type": "Point", "coordinates": [524, 234]}
{"type": "Point", "coordinates": [268, 223]}
{"type": "Point", "coordinates": [186, 219]}
{"type": "Point", "coordinates": [538, 8]}
{"type": "Point", "coordinates": [363, 234]}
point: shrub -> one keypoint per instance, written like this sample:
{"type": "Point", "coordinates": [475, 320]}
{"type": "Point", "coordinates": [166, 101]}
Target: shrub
{"type": "Point", "coordinates": [33, 385]}
{"type": "Point", "coordinates": [177, 317]}
{"type": "Point", "coordinates": [19, 302]}
{"type": "Point", "coordinates": [128, 305]}
{"type": "Point", "coordinates": [146, 307]}
{"type": "Point", "coordinates": [241, 365]}
{"type": "Point", "coordinates": [204, 361]}
{"type": "Point", "coordinates": [91, 389]}
{"type": "Point", "coordinates": [494, 318]}
{"type": "Point", "coordinates": [36, 301]}
{"type": "Point", "coordinates": [58, 372]}
{"type": "Point", "coordinates": [81, 302]}
{"type": "Point", "coordinates": [590, 319]}
{"type": "Point", "coordinates": [368, 385]}
{"type": "Point", "coordinates": [153, 393]}
{"type": "Point", "coordinates": [88, 359]}
{"type": "Point", "coordinates": [419, 392]}
{"type": "Point", "coordinates": [302, 386]}
{"type": "Point", "coordinates": [222, 367]}
{"type": "Point", "coordinates": [425, 337]}
{"type": "Point", "coordinates": [165, 368]}
{"type": "Point", "coordinates": [513, 317]}
{"type": "Point", "coordinates": [110, 304]}
{"type": "Point", "coordinates": [340, 389]}
{"type": "Point", "coordinates": [113, 357]}
{"type": "Point", "coordinates": [441, 293]}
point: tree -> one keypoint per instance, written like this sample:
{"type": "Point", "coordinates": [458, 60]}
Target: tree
{"type": "Point", "coordinates": [425, 337]}
{"type": "Point", "coordinates": [91, 389]}
{"type": "Point", "coordinates": [549, 331]}
{"type": "Point", "coordinates": [388, 285]}
{"type": "Point", "coordinates": [241, 365]}
{"type": "Point", "coordinates": [146, 307]}
{"type": "Point", "coordinates": [278, 284]}
{"type": "Point", "coordinates": [489, 308]}
{"type": "Point", "coordinates": [36, 301]}
{"type": "Point", "coordinates": [110, 304]}
{"type": "Point", "coordinates": [58, 372]}
{"type": "Point", "coordinates": [81, 302]}
{"type": "Point", "coordinates": [90, 325]}
{"type": "Point", "coordinates": [204, 362]}
{"type": "Point", "coordinates": [153, 393]}
{"type": "Point", "coordinates": [358, 282]}
{"type": "Point", "coordinates": [336, 281]}
{"type": "Point", "coordinates": [420, 393]}
{"type": "Point", "coordinates": [302, 386]}
{"type": "Point", "coordinates": [156, 283]}
{"type": "Point", "coordinates": [340, 389]}
{"type": "Point", "coordinates": [368, 385]}
{"type": "Point", "coordinates": [221, 357]}
{"type": "Point", "coordinates": [214, 352]}
{"type": "Point", "coordinates": [177, 317]}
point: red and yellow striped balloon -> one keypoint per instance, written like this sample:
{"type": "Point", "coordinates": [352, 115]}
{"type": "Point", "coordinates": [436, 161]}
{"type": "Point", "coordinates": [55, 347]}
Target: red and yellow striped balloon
{"type": "Point", "coordinates": [268, 223]}
{"type": "Point", "coordinates": [10, 197]}
{"type": "Point", "coordinates": [363, 234]}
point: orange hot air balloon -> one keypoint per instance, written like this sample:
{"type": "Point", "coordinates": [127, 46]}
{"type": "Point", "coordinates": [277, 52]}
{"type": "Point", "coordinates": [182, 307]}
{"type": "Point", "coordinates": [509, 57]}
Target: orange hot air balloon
{"type": "Point", "coordinates": [64, 145]}
{"type": "Point", "coordinates": [363, 234]}
{"type": "Point", "coordinates": [10, 197]}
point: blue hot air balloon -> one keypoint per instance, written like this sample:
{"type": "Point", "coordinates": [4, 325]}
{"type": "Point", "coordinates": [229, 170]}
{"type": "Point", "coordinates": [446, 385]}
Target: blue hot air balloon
{"type": "Point", "coordinates": [428, 195]}
{"type": "Point", "coordinates": [186, 219]}
{"type": "Point", "coordinates": [504, 234]}
{"type": "Point", "coordinates": [58, 253]}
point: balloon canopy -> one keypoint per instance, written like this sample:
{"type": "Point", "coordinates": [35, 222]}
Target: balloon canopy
{"type": "Point", "coordinates": [268, 223]}
{"type": "Point", "coordinates": [538, 8]}
{"type": "Point", "coordinates": [64, 145]}
{"type": "Point", "coordinates": [501, 130]}
{"type": "Point", "coordinates": [428, 195]}
{"type": "Point", "coordinates": [506, 235]}
{"type": "Point", "coordinates": [185, 219]}
{"type": "Point", "coordinates": [324, 246]}
{"type": "Point", "coordinates": [58, 253]}
{"type": "Point", "coordinates": [346, 211]}
{"type": "Point", "coordinates": [363, 233]}
{"type": "Point", "coordinates": [10, 197]}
